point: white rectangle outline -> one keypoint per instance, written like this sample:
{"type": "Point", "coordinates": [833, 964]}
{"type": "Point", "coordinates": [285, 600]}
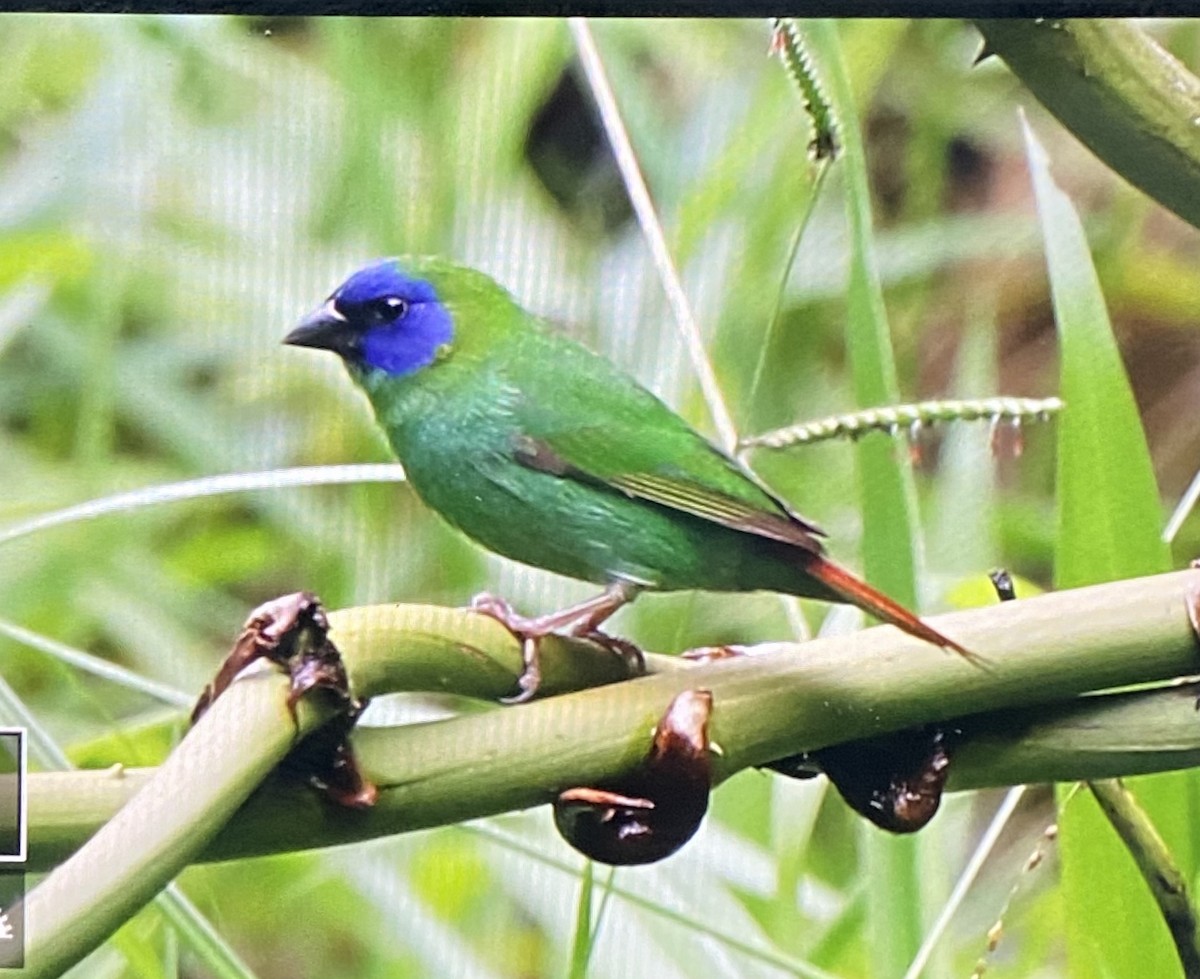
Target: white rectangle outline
{"type": "Point", "coordinates": [23, 792]}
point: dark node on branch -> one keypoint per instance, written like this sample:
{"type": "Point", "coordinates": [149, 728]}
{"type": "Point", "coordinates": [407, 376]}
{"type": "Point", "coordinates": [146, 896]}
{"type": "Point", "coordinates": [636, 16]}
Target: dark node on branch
{"type": "Point", "coordinates": [292, 632]}
{"type": "Point", "coordinates": [1002, 581]}
{"type": "Point", "coordinates": [279, 631]}
{"type": "Point", "coordinates": [896, 781]}
{"type": "Point", "coordinates": [653, 811]}
{"type": "Point", "coordinates": [326, 760]}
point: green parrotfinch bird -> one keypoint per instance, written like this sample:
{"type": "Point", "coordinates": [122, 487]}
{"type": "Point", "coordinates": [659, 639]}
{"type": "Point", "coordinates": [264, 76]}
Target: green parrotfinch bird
{"type": "Point", "coordinates": [544, 452]}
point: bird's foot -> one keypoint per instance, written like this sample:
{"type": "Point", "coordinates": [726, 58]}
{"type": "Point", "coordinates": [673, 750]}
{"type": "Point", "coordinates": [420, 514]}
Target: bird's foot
{"type": "Point", "coordinates": [527, 631]}
{"type": "Point", "coordinates": [495, 607]}
{"type": "Point", "coordinates": [580, 621]}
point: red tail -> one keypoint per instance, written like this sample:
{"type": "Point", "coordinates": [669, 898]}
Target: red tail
{"type": "Point", "coordinates": [857, 592]}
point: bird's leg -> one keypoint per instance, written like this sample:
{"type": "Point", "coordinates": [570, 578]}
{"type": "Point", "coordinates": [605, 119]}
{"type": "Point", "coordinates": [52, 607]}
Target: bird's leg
{"type": "Point", "coordinates": [582, 619]}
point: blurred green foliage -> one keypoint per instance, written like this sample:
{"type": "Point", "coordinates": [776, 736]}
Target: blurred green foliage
{"type": "Point", "coordinates": [177, 190]}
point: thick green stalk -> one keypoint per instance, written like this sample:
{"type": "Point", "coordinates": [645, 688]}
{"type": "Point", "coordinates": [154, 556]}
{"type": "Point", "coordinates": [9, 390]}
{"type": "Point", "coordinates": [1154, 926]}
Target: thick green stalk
{"type": "Point", "coordinates": [786, 698]}
{"type": "Point", "coordinates": [1133, 733]}
{"type": "Point", "coordinates": [137, 852]}
{"type": "Point", "coordinates": [1129, 101]}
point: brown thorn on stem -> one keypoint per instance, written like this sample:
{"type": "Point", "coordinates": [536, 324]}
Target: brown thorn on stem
{"type": "Point", "coordinates": [655, 809]}
{"type": "Point", "coordinates": [292, 632]}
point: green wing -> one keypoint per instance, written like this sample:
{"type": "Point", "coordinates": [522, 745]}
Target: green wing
{"type": "Point", "coordinates": [585, 420]}
{"type": "Point", "coordinates": [575, 415]}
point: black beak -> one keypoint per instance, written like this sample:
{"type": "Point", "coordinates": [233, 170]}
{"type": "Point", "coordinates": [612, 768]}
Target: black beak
{"type": "Point", "coordinates": [325, 329]}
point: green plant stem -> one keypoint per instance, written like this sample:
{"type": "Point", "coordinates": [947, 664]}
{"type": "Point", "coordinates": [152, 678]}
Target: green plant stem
{"type": "Point", "coordinates": [776, 317]}
{"type": "Point", "coordinates": [142, 847]}
{"type": "Point", "coordinates": [1158, 868]}
{"type": "Point", "coordinates": [1098, 737]}
{"type": "Point", "coordinates": [784, 699]}
{"type": "Point", "coordinates": [1129, 101]}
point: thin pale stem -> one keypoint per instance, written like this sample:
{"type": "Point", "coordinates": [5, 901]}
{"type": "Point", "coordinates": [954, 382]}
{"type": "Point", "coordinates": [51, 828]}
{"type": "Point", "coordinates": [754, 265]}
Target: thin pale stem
{"type": "Point", "coordinates": [1186, 505]}
{"type": "Point", "coordinates": [190, 489]}
{"type": "Point", "coordinates": [643, 207]}
{"type": "Point", "coordinates": [966, 880]}
{"type": "Point", "coordinates": [96, 666]}
{"type": "Point", "coordinates": [810, 206]}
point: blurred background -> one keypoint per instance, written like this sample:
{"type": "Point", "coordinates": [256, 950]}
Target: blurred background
{"type": "Point", "coordinates": [176, 191]}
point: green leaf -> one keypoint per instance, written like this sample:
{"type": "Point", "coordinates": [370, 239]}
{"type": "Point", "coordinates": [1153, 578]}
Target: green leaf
{"type": "Point", "coordinates": [1110, 519]}
{"type": "Point", "coordinates": [888, 494]}
{"type": "Point", "coordinates": [581, 947]}
{"type": "Point", "coordinates": [1120, 92]}
{"type": "Point", "coordinates": [43, 254]}
{"type": "Point", "coordinates": [1109, 525]}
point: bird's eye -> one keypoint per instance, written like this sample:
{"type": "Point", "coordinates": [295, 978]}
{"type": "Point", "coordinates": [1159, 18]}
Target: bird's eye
{"type": "Point", "coordinates": [387, 309]}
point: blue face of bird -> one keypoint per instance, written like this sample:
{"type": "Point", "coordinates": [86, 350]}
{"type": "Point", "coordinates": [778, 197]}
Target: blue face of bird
{"type": "Point", "coordinates": [380, 318]}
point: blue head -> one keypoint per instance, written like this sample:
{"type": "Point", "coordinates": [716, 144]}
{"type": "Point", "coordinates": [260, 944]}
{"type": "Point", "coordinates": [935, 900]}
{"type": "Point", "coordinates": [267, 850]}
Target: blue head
{"type": "Point", "coordinates": [380, 318]}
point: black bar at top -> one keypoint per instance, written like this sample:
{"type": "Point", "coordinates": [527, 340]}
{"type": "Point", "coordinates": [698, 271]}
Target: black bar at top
{"type": "Point", "coordinates": [629, 8]}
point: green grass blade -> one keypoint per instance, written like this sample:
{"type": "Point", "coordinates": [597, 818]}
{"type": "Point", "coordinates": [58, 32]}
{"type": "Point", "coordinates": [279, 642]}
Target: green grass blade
{"type": "Point", "coordinates": [888, 496]}
{"type": "Point", "coordinates": [581, 947]}
{"type": "Point", "coordinates": [200, 936]}
{"type": "Point", "coordinates": [1110, 519]}
{"type": "Point", "coordinates": [1109, 527]}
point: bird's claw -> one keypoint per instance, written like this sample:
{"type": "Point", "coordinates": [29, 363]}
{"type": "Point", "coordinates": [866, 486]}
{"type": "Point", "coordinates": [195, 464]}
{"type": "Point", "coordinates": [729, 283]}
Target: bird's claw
{"type": "Point", "coordinates": [711, 654]}
{"type": "Point", "coordinates": [495, 607]}
{"type": "Point", "coordinates": [626, 651]}
{"type": "Point", "coordinates": [531, 670]}
{"type": "Point", "coordinates": [526, 632]}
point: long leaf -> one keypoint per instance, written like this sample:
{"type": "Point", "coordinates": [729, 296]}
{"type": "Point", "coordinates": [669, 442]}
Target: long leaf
{"type": "Point", "coordinates": [1109, 525]}
{"type": "Point", "coordinates": [887, 491]}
